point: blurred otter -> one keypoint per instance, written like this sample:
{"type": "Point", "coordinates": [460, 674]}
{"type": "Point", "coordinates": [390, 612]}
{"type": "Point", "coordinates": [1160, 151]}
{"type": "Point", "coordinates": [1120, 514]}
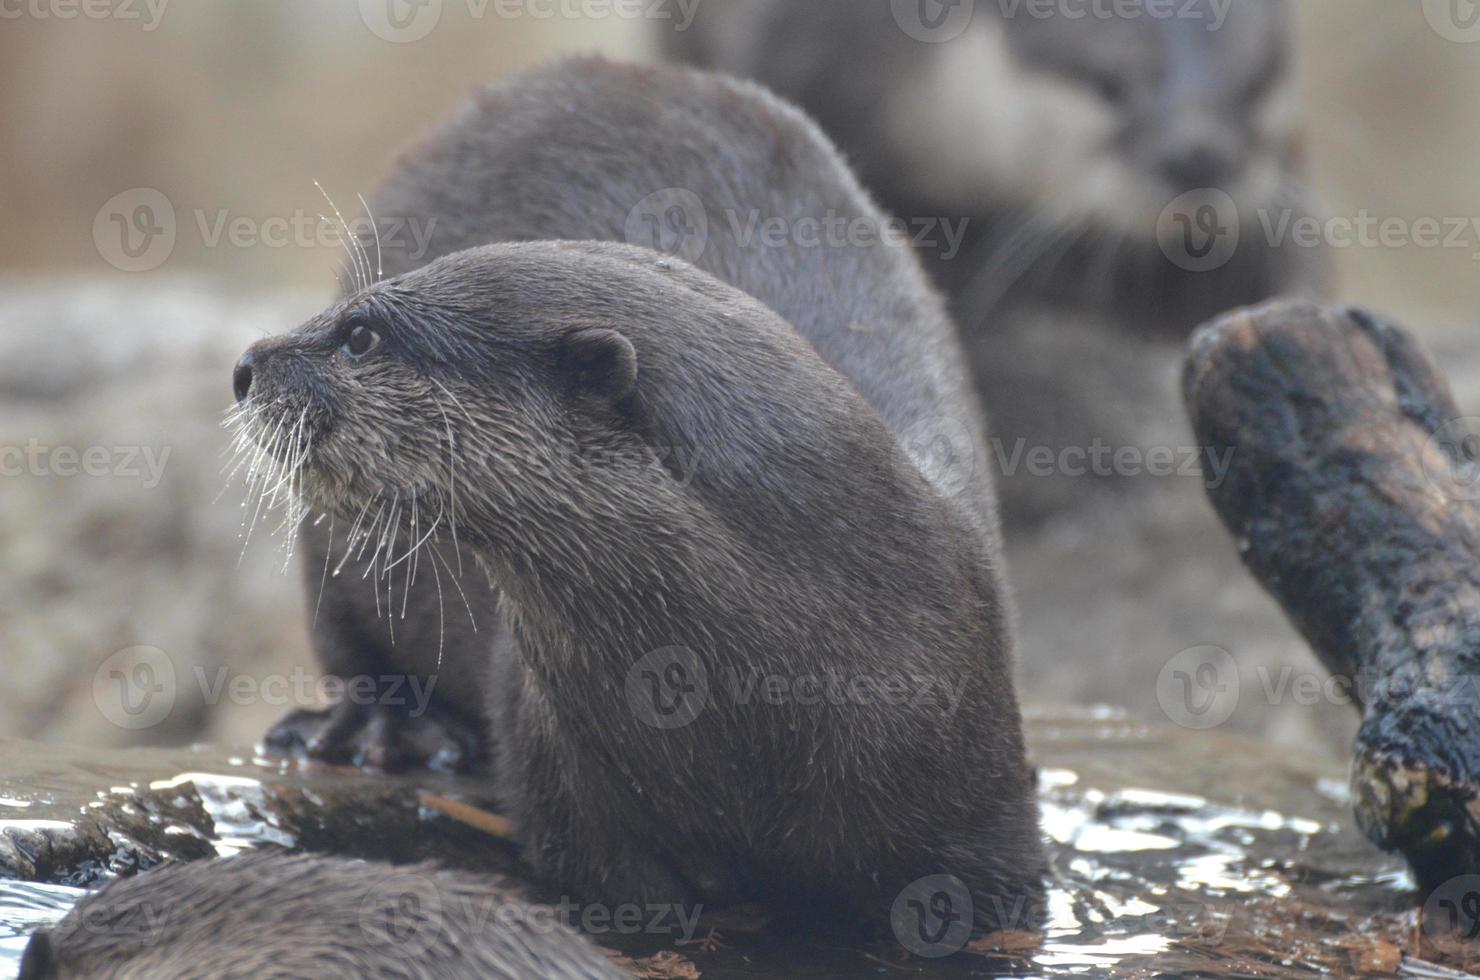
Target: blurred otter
{"type": "Point", "coordinates": [1123, 174]}
{"type": "Point", "coordinates": [1087, 188]}
{"type": "Point", "coordinates": [274, 916]}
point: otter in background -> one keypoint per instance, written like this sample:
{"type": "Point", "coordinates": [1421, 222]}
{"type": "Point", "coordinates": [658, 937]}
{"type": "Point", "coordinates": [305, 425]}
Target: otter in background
{"type": "Point", "coordinates": [1038, 159]}
{"type": "Point", "coordinates": [1122, 179]}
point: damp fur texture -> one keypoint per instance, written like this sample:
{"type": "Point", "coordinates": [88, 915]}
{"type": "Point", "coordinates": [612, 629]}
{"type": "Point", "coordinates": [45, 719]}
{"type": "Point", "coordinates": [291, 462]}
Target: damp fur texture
{"type": "Point", "coordinates": [280, 917]}
{"type": "Point", "coordinates": [782, 480]}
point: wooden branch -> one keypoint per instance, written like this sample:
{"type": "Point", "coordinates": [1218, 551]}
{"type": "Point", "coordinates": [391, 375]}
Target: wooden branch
{"type": "Point", "coordinates": [1353, 497]}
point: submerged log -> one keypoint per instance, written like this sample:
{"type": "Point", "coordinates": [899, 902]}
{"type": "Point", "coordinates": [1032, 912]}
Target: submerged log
{"type": "Point", "coordinates": [1353, 498]}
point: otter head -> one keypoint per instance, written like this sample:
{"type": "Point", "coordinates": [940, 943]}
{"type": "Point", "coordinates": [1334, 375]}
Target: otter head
{"type": "Point", "coordinates": [434, 401]}
{"type": "Point", "coordinates": [1132, 155]}
{"type": "Point", "coordinates": [1103, 113]}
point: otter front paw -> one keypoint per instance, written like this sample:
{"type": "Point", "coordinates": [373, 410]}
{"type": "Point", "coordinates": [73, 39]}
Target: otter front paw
{"type": "Point", "coordinates": [380, 737]}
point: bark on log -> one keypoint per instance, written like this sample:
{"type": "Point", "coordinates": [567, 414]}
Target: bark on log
{"type": "Point", "coordinates": [1353, 497]}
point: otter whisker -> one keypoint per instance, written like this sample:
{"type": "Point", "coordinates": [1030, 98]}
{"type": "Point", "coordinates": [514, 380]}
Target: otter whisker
{"type": "Point", "coordinates": [362, 274]}
{"type": "Point", "coordinates": [369, 531]}
{"type": "Point", "coordinates": [441, 615]}
{"type": "Point", "coordinates": [375, 227]}
{"type": "Point", "coordinates": [472, 620]}
{"type": "Point", "coordinates": [354, 535]}
{"type": "Point", "coordinates": [1039, 237]}
{"type": "Point", "coordinates": [416, 547]}
{"type": "Point", "coordinates": [452, 467]}
{"type": "Point", "coordinates": [324, 577]}
{"type": "Point", "coordinates": [406, 593]}
{"type": "Point", "coordinates": [352, 267]}
{"type": "Point", "coordinates": [265, 458]}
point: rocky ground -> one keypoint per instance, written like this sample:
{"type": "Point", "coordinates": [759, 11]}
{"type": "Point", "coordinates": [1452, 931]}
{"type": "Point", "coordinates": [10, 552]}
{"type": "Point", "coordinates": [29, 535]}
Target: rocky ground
{"type": "Point", "coordinates": [112, 536]}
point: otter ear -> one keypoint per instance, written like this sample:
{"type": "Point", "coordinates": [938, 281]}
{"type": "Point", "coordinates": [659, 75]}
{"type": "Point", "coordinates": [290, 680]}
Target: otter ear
{"type": "Point", "coordinates": [599, 361]}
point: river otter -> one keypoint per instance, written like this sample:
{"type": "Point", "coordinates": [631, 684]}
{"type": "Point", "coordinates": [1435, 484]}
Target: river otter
{"type": "Point", "coordinates": [554, 155]}
{"type": "Point", "coordinates": [1059, 134]}
{"type": "Point", "coordinates": [279, 917]}
{"type": "Point", "coordinates": [752, 638]}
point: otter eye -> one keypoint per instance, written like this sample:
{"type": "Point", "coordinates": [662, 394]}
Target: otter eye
{"type": "Point", "coordinates": [362, 340]}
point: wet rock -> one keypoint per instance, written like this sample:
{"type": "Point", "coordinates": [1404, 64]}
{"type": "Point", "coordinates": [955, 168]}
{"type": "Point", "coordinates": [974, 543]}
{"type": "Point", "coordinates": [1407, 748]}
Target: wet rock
{"type": "Point", "coordinates": [75, 816]}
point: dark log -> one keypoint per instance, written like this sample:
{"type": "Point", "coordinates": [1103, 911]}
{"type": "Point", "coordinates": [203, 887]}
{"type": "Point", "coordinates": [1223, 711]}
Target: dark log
{"type": "Point", "coordinates": [1353, 498]}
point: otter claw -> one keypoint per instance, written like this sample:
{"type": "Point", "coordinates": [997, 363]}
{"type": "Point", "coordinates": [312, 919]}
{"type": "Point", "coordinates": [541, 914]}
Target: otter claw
{"type": "Point", "coordinates": [379, 738]}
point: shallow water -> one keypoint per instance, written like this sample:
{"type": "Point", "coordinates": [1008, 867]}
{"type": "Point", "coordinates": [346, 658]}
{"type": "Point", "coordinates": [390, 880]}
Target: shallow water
{"type": "Point", "coordinates": [1173, 854]}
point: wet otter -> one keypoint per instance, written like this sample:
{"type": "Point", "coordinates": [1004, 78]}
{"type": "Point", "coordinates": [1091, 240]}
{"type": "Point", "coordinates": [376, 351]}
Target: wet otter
{"type": "Point", "coordinates": [752, 638]}
{"type": "Point", "coordinates": [280, 917]}
{"type": "Point", "coordinates": [569, 154]}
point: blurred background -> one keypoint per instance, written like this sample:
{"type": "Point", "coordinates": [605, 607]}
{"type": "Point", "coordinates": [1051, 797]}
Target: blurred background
{"type": "Point", "coordinates": [224, 113]}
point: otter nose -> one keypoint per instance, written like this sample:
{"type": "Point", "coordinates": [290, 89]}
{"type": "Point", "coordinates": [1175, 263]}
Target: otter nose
{"type": "Point", "coordinates": [241, 378]}
{"type": "Point", "coordinates": [1195, 166]}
